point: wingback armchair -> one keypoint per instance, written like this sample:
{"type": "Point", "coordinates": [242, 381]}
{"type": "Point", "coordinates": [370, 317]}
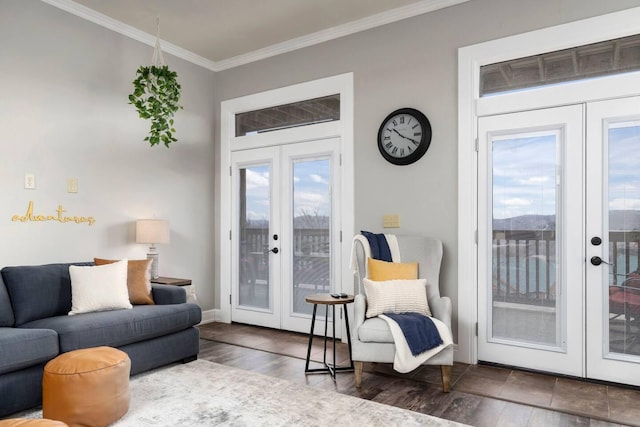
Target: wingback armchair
{"type": "Point", "coordinates": [371, 338]}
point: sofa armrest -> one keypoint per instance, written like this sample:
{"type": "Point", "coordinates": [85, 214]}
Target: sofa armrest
{"type": "Point", "coordinates": [441, 309]}
{"type": "Point", "coordinates": [168, 294]}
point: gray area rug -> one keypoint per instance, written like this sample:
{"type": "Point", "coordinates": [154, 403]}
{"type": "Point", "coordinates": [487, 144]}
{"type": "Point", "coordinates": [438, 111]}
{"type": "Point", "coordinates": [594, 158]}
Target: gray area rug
{"type": "Point", "coordinates": [204, 393]}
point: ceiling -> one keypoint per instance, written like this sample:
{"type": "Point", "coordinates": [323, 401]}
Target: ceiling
{"type": "Point", "coordinates": [220, 34]}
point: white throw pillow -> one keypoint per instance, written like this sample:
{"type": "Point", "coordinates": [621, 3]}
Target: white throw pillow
{"type": "Point", "coordinates": [396, 296]}
{"type": "Point", "coordinates": [99, 288]}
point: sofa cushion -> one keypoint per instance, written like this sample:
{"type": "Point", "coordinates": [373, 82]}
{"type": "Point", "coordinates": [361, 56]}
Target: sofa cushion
{"type": "Point", "coordinates": [6, 311]}
{"type": "Point", "coordinates": [38, 291]}
{"type": "Point", "coordinates": [375, 330]}
{"type": "Point", "coordinates": [119, 327]}
{"type": "Point", "coordinates": [22, 348]}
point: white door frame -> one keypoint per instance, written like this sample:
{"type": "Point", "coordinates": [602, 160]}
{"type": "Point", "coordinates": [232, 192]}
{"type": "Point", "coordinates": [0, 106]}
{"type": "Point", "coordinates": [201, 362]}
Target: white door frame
{"type": "Point", "coordinates": [343, 129]}
{"type": "Point", "coordinates": [471, 106]}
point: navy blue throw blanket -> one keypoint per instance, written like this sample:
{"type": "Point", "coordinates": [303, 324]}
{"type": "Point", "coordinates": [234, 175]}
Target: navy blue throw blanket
{"type": "Point", "coordinates": [419, 331]}
{"type": "Point", "coordinates": [379, 246]}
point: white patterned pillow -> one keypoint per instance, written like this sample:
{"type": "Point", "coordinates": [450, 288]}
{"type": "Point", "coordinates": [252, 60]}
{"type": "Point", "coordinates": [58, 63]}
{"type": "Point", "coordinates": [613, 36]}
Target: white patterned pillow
{"type": "Point", "coordinates": [99, 288]}
{"type": "Point", "coordinates": [396, 296]}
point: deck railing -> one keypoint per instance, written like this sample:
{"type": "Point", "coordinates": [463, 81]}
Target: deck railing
{"type": "Point", "coordinates": [524, 263]}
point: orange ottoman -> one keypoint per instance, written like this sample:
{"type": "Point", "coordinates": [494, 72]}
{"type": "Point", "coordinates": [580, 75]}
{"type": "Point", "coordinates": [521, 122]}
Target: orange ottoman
{"type": "Point", "coordinates": [88, 387]}
{"type": "Point", "coordinates": [27, 422]}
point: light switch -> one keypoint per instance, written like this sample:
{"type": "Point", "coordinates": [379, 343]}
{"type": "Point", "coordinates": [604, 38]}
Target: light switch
{"type": "Point", "coordinates": [72, 185]}
{"type": "Point", "coordinates": [391, 221]}
{"type": "Point", "coordinates": [30, 181]}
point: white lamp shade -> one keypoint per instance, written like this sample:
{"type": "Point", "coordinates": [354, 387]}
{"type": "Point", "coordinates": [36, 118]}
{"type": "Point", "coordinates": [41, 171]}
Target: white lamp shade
{"type": "Point", "coordinates": [152, 231]}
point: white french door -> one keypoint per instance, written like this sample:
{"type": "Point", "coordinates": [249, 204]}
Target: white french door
{"type": "Point", "coordinates": [613, 236]}
{"type": "Point", "coordinates": [530, 244]}
{"type": "Point", "coordinates": [287, 246]}
{"type": "Point", "coordinates": [559, 240]}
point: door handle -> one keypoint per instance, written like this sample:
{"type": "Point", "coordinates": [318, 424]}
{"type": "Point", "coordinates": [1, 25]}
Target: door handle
{"type": "Point", "coordinates": [274, 250]}
{"type": "Point", "coordinates": [596, 260]}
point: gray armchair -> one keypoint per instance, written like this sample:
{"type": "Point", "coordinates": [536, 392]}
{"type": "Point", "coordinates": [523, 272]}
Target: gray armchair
{"type": "Point", "coordinates": [371, 338]}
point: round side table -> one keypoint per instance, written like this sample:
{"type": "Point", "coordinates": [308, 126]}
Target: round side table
{"type": "Point", "coordinates": [327, 300]}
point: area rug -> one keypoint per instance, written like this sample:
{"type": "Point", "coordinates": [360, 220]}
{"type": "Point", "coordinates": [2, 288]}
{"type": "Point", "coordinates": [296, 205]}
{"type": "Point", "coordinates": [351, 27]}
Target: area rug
{"type": "Point", "coordinates": [204, 393]}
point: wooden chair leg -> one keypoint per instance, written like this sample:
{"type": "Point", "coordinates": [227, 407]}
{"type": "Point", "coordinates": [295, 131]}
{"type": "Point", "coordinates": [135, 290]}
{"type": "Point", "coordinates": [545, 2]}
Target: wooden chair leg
{"type": "Point", "coordinates": [446, 378]}
{"type": "Point", "coordinates": [357, 371]}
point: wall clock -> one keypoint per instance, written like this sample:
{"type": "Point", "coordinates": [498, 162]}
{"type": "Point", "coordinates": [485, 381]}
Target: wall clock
{"type": "Point", "coordinates": [404, 136]}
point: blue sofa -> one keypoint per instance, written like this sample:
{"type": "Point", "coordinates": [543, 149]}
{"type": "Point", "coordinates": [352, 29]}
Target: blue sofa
{"type": "Point", "coordinates": [35, 328]}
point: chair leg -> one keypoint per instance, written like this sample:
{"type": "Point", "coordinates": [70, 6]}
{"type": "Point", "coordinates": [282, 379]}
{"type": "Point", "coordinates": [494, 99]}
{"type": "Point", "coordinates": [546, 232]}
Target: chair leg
{"type": "Point", "coordinates": [357, 371]}
{"type": "Point", "coordinates": [446, 378]}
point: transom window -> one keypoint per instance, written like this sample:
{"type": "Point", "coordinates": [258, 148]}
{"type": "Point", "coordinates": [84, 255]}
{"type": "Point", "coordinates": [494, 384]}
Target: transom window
{"type": "Point", "coordinates": [609, 57]}
{"type": "Point", "coordinates": [302, 113]}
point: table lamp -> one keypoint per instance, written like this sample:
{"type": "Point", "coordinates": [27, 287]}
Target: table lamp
{"type": "Point", "coordinates": [152, 231]}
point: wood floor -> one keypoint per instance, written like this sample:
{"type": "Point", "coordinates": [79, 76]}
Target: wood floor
{"type": "Point", "coordinates": [480, 396]}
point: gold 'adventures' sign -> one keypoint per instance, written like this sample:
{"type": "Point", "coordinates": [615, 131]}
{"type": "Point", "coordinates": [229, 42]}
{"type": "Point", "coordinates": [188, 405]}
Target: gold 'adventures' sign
{"type": "Point", "coordinates": [58, 217]}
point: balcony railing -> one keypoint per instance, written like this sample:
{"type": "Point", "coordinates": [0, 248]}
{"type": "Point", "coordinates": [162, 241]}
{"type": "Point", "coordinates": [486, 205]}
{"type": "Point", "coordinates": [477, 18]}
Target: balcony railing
{"type": "Point", "coordinates": [524, 263]}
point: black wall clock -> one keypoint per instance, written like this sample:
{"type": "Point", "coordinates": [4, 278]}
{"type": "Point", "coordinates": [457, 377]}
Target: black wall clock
{"type": "Point", "coordinates": [404, 136]}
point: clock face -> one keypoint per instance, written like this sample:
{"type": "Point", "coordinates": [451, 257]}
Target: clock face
{"type": "Point", "coordinates": [404, 136]}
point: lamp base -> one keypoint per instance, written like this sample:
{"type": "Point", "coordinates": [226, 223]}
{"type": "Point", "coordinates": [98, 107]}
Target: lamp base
{"type": "Point", "coordinates": [154, 264]}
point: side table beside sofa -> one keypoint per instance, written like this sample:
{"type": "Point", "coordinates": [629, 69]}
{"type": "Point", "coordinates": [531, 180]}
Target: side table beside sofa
{"type": "Point", "coordinates": [35, 327]}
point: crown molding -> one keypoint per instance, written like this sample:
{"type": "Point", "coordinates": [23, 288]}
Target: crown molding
{"type": "Point", "coordinates": [379, 19]}
{"type": "Point", "coordinates": [129, 31]}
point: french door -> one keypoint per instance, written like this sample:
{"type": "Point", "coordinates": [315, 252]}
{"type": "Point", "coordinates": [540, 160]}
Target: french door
{"type": "Point", "coordinates": [558, 242]}
{"type": "Point", "coordinates": [613, 240]}
{"type": "Point", "coordinates": [286, 245]}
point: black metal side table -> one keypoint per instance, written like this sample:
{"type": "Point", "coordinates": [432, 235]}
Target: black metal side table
{"type": "Point", "coordinates": [327, 300]}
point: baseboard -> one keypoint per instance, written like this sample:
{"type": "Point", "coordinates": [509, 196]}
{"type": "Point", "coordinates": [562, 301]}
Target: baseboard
{"type": "Point", "coordinates": [208, 316]}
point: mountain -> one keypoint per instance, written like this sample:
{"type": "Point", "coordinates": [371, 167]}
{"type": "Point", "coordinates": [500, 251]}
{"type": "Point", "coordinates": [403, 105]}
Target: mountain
{"type": "Point", "coordinates": [619, 220]}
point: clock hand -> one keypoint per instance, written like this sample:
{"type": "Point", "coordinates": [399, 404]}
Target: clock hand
{"type": "Point", "coordinates": [406, 137]}
{"type": "Point", "coordinates": [396, 131]}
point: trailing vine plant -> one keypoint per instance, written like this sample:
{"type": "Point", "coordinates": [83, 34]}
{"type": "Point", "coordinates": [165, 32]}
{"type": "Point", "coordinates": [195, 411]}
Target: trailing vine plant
{"type": "Point", "coordinates": [156, 93]}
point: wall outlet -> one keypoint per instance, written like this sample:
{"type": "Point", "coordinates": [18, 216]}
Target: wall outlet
{"type": "Point", "coordinates": [30, 181]}
{"type": "Point", "coordinates": [72, 185]}
{"type": "Point", "coordinates": [391, 221]}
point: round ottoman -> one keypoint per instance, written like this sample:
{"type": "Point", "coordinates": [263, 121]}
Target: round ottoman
{"type": "Point", "coordinates": [28, 422]}
{"type": "Point", "coordinates": [88, 387]}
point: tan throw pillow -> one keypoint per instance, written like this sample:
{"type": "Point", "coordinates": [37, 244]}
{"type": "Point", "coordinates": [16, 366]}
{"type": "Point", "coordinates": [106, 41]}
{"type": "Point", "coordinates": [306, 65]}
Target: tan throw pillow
{"type": "Point", "coordinates": [383, 270]}
{"type": "Point", "coordinates": [396, 296]}
{"type": "Point", "coordinates": [138, 279]}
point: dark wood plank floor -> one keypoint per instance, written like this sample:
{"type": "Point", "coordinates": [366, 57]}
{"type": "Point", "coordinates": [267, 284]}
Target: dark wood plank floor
{"type": "Point", "coordinates": [480, 396]}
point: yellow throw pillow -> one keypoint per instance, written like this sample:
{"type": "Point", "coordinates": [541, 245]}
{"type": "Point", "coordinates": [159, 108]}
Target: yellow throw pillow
{"type": "Point", "coordinates": [138, 279]}
{"type": "Point", "coordinates": [384, 270]}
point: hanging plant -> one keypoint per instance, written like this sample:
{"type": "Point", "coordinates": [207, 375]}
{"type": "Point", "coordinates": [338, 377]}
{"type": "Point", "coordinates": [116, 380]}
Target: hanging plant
{"type": "Point", "coordinates": [156, 93]}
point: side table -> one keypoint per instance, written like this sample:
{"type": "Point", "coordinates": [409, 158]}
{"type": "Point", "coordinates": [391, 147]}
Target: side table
{"type": "Point", "coordinates": [327, 300]}
{"type": "Point", "coordinates": [172, 281]}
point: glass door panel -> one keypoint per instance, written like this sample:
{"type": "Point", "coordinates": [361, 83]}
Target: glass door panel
{"type": "Point", "coordinates": [624, 237]}
{"type": "Point", "coordinates": [528, 282]}
{"type": "Point", "coordinates": [253, 251]}
{"type": "Point", "coordinates": [524, 305]}
{"type": "Point", "coordinates": [311, 231]}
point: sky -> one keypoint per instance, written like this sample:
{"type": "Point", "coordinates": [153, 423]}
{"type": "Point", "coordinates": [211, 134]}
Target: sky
{"type": "Point", "coordinates": [524, 171]}
{"type": "Point", "coordinates": [311, 189]}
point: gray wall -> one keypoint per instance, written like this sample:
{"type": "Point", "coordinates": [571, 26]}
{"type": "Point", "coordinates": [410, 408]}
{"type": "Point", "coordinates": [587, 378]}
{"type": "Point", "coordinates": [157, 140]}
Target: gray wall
{"type": "Point", "coordinates": [412, 63]}
{"type": "Point", "coordinates": [64, 113]}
